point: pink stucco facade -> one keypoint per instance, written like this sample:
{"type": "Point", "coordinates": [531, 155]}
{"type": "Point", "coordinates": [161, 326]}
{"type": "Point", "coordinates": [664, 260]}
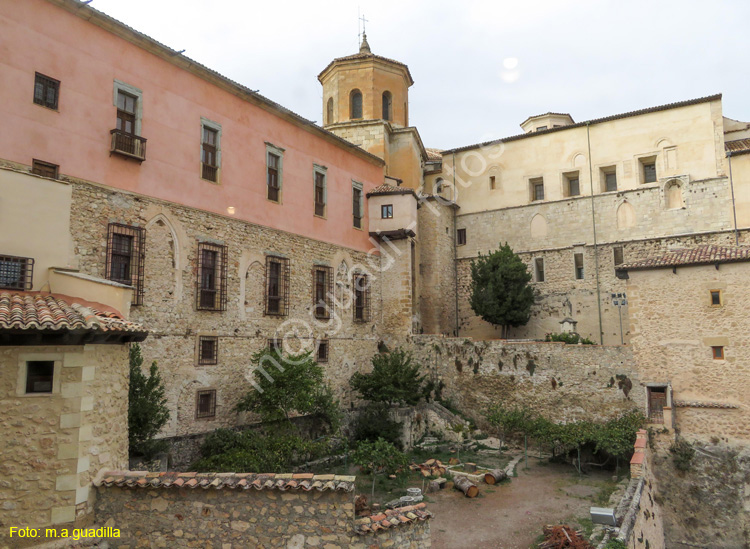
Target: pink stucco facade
{"type": "Point", "coordinates": [38, 36]}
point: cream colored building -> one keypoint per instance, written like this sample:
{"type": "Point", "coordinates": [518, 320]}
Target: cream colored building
{"type": "Point", "coordinates": [691, 338]}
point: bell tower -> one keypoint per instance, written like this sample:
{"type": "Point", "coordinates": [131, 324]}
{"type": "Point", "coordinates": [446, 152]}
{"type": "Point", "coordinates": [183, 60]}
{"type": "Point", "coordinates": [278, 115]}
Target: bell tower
{"type": "Point", "coordinates": [366, 102]}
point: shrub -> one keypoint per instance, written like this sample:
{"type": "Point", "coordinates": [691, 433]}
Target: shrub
{"type": "Point", "coordinates": [374, 422]}
{"type": "Point", "coordinates": [571, 338]}
{"type": "Point", "coordinates": [394, 379]}
{"type": "Point", "coordinates": [682, 454]}
{"type": "Point", "coordinates": [147, 407]}
{"type": "Point", "coordinates": [379, 457]}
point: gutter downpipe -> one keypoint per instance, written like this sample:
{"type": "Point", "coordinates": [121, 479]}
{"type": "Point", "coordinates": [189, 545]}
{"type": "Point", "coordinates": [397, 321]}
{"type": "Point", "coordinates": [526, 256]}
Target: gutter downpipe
{"type": "Point", "coordinates": [596, 247]}
{"type": "Point", "coordinates": [734, 209]}
{"type": "Point", "coordinates": [455, 249]}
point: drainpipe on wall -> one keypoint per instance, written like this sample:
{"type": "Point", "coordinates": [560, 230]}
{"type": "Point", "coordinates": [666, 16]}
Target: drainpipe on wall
{"type": "Point", "coordinates": [734, 209]}
{"type": "Point", "coordinates": [455, 249]}
{"type": "Point", "coordinates": [596, 247]}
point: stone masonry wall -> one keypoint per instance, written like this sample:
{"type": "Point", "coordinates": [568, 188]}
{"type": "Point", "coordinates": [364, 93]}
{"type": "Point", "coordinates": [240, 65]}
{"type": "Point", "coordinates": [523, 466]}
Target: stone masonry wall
{"type": "Point", "coordinates": [169, 310]}
{"type": "Point", "coordinates": [561, 295]}
{"type": "Point", "coordinates": [54, 444]}
{"type": "Point", "coordinates": [562, 382]}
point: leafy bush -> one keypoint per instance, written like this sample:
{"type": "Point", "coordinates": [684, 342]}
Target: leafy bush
{"type": "Point", "coordinates": [374, 422]}
{"type": "Point", "coordinates": [682, 454]}
{"type": "Point", "coordinates": [615, 544]}
{"type": "Point", "coordinates": [147, 407]}
{"type": "Point", "coordinates": [294, 385]}
{"type": "Point", "coordinates": [225, 450]}
{"type": "Point", "coordinates": [394, 379]}
{"type": "Point", "coordinates": [570, 338]}
{"type": "Point", "coordinates": [379, 457]}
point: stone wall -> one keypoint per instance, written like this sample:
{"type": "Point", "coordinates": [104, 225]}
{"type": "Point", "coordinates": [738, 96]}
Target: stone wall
{"type": "Point", "coordinates": [234, 511]}
{"type": "Point", "coordinates": [562, 382]}
{"type": "Point", "coordinates": [54, 444]}
{"type": "Point", "coordinates": [676, 349]}
{"type": "Point", "coordinates": [561, 295]}
{"type": "Point", "coordinates": [169, 309]}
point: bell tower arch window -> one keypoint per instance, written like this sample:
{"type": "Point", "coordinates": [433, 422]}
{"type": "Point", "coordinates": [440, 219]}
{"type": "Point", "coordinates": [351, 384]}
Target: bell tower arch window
{"type": "Point", "coordinates": [387, 105]}
{"type": "Point", "coordinates": [329, 111]}
{"type": "Point", "coordinates": [355, 104]}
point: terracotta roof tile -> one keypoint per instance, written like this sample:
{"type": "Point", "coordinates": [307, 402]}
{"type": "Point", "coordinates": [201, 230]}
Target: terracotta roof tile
{"type": "Point", "coordinates": [392, 518]}
{"type": "Point", "coordinates": [385, 188]}
{"type": "Point", "coordinates": [738, 146]}
{"type": "Point", "coordinates": [707, 254]}
{"type": "Point", "coordinates": [218, 481]}
{"type": "Point", "coordinates": [56, 312]}
{"type": "Point", "coordinates": [434, 154]}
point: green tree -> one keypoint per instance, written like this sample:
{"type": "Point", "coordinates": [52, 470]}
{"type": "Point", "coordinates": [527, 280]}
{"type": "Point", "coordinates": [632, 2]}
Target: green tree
{"type": "Point", "coordinates": [378, 457]}
{"type": "Point", "coordinates": [500, 291]}
{"type": "Point", "coordinates": [289, 384]}
{"type": "Point", "coordinates": [394, 379]}
{"type": "Point", "coordinates": [147, 407]}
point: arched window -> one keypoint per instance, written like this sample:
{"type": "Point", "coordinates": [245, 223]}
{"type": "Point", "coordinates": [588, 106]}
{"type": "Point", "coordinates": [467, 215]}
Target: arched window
{"type": "Point", "coordinates": [438, 186]}
{"type": "Point", "coordinates": [355, 104]}
{"type": "Point", "coordinates": [329, 111]}
{"type": "Point", "coordinates": [673, 195]}
{"type": "Point", "coordinates": [387, 106]}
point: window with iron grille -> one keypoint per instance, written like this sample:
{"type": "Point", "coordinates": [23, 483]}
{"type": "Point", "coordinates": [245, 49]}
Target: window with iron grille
{"type": "Point", "coordinates": [322, 354]}
{"type": "Point", "coordinates": [322, 291]}
{"type": "Point", "coordinates": [539, 268]}
{"type": "Point", "coordinates": [274, 179]}
{"type": "Point", "coordinates": [276, 344]}
{"type": "Point", "coordinates": [578, 261]}
{"type": "Point", "coordinates": [212, 277]}
{"type": "Point", "coordinates": [125, 257]}
{"type": "Point", "coordinates": [16, 273]}
{"type": "Point", "coordinates": [208, 350]}
{"type": "Point", "coordinates": [46, 91]}
{"type": "Point", "coordinates": [361, 284]}
{"type": "Point", "coordinates": [210, 138]}
{"type": "Point", "coordinates": [386, 211]}
{"type": "Point", "coordinates": [205, 404]}
{"type": "Point", "coordinates": [320, 191]}
{"type": "Point", "coordinates": [45, 169]}
{"type": "Point", "coordinates": [357, 204]}
{"type": "Point", "coordinates": [39, 376]}
{"type": "Point", "coordinates": [277, 286]}
{"type": "Point", "coordinates": [460, 237]}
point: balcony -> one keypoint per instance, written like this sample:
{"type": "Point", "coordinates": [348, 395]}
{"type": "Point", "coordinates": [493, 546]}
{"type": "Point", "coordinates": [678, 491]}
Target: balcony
{"type": "Point", "coordinates": [129, 145]}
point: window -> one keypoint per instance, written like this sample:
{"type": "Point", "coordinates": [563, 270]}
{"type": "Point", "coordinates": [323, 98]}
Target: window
{"type": "Point", "coordinates": [649, 171]}
{"type": "Point", "coordinates": [208, 350]}
{"type": "Point", "coordinates": [357, 204]}
{"type": "Point", "coordinates": [618, 255]}
{"type": "Point", "coordinates": [460, 237]}
{"type": "Point", "coordinates": [355, 104]}
{"type": "Point", "coordinates": [539, 269]}
{"type": "Point", "coordinates": [578, 261]}
{"type": "Point", "coordinates": [210, 150]}
{"type": "Point", "coordinates": [322, 354]}
{"type": "Point", "coordinates": [572, 184]}
{"type": "Point", "coordinates": [46, 91]}
{"type": "Point", "coordinates": [322, 291]}
{"type": "Point", "coordinates": [125, 257]}
{"type": "Point", "coordinates": [386, 211]}
{"type": "Point", "coordinates": [361, 285]}
{"type": "Point", "coordinates": [277, 286]}
{"type": "Point", "coordinates": [718, 352]}
{"type": "Point", "coordinates": [126, 138]}
{"type": "Point", "coordinates": [274, 161]}
{"type": "Point", "coordinates": [438, 186]}
{"type": "Point", "coordinates": [211, 292]}
{"type": "Point", "coordinates": [609, 176]}
{"type": "Point", "coordinates": [320, 191]}
{"type": "Point", "coordinates": [537, 189]}
{"type": "Point", "coordinates": [39, 376]}
{"type": "Point", "coordinates": [541, 128]}
{"type": "Point", "coordinates": [16, 273]}
{"type": "Point", "coordinates": [716, 298]}
{"type": "Point", "coordinates": [387, 106]}
{"type": "Point", "coordinates": [205, 404]}
{"type": "Point", "coordinates": [492, 182]}
{"type": "Point", "coordinates": [329, 111]}
{"type": "Point", "coordinates": [45, 169]}
{"type": "Point", "coordinates": [276, 345]}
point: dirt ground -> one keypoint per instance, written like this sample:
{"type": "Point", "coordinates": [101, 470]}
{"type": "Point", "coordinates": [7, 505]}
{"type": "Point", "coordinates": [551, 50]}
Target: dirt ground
{"type": "Point", "coordinates": [511, 515]}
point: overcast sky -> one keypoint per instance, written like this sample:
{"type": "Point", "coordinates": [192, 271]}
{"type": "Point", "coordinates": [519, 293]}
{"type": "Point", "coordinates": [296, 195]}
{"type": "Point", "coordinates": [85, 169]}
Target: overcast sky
{"type": "Point", "coordinates": [480, 67]}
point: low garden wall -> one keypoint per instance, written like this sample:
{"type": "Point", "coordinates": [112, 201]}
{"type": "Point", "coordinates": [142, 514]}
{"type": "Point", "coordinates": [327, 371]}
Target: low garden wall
{"type": "Point", "coordinates": [561, 382]}
{"type": "Point", "coordinates": [233, 511]}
